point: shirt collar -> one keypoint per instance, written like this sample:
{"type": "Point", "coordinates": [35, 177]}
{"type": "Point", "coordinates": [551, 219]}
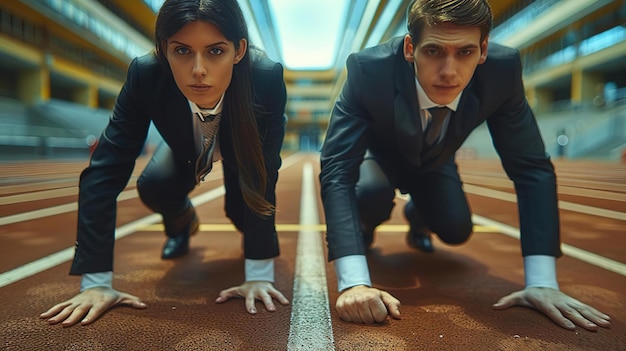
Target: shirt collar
{"type": "Point", "coordinates": [207, 111]}
{"type": "Point", "coordinates": [426, 103]}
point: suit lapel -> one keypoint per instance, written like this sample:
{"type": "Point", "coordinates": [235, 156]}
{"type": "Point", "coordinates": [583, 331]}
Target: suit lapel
{"type": "Point", "coordinates": [464, 119]}
{"type": "Point", "coordinates": [407, 123]}
{"type": "Point", "coordinates": [178, 123]}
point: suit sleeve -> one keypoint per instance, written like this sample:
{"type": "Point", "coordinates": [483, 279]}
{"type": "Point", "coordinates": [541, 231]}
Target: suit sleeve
{"type": "Point", "coordinates": [106, 176]}
{"type": "Point", "coordinates": [520, 146]}
{"type": "Point", "coordinates": [342, 153]}
{"type": "Point", "coordinates": [260, 238]}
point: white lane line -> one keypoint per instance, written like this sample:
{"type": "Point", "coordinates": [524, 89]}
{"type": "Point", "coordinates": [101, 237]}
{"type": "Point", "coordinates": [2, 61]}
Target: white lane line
{"type": "Point", "coordinates": [564, 205]}
{"type": "Point", "coordinates": [45, 212]}
{"type": "Point", "coordinates": [65, 255]}
{"type": "Point", "coordinates": [70, 207]}
{"type": "Point", "coordinates": [311, 326]}
{"type": "Point", "coordinates": [39, 195]}
{"type": "Point", "coordinates": [56, 210]}
{"type": "Point", "coordinates": [572, 251]}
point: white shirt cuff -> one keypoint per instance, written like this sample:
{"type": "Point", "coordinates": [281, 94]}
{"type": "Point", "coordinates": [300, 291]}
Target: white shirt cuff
{"type": "Point", "coordinates": [352, 271]}
{"type": "Point", "coordinates": [260, 270]}
{"type": "Point", "coordinates": [93, 280]}
{"type": "Point", "coordinates": [540, 271]}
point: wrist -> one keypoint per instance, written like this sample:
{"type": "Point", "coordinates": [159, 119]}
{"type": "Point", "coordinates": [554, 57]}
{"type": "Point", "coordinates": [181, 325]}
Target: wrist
{"type": "Point", "coordinates": [356, 288]}
{"type": "Point", "coordinates": [540, 271]}
{"type": "Point", "coordinates": [94, 280]}
{"type": "Point", "coordinates": [352, 271]}
{"type": "Point", "coordinates": [259, 270]}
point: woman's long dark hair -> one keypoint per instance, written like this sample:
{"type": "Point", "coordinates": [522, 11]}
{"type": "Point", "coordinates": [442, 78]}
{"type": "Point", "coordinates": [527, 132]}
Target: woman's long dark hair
{"type": "Point", "coordinates": [238, 104]}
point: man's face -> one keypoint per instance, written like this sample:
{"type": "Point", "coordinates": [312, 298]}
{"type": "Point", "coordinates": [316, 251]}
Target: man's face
{"type": "Point", "coordinates": [445, 59]}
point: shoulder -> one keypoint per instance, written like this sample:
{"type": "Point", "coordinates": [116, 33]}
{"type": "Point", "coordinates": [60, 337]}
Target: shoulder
{"type": "Point", "coordinates": [147, 64]}
{"type": "Point", "coordinates": [503, 65]}
{"type": "Point", "coordinates": [376, 65]}
{"type": "Point", "coordinates": [382, 54]}
{"type": "Point", "coordinates": [148, 72]}
{"type": "Point", "coordinates": [268, 84]}
{"type": "Point", "coordinates": [500, 57]}
{"type": "Point", "coordinates": [263, 67]}
{"type": "Point", "coordinates": [149, 82]}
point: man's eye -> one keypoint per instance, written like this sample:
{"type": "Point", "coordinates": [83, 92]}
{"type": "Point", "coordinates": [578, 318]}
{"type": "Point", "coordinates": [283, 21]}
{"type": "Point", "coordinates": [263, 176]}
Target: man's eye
{"type": "Point", "coordinates": [465, 52]}
{"type": "Point", "coordinates": [432, 52]}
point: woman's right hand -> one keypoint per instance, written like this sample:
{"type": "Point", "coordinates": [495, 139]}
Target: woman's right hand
{"type": "Point", "coordinates": [88, 305]}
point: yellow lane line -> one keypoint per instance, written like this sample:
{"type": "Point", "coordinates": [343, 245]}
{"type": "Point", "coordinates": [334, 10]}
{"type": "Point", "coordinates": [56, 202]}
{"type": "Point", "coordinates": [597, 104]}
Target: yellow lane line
{"type": "Point", "coordinates": [308, 227]}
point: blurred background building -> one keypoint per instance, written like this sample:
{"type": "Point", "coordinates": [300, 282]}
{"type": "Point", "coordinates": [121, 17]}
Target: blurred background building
{"type": "Point", "coordinates": [63, 62]}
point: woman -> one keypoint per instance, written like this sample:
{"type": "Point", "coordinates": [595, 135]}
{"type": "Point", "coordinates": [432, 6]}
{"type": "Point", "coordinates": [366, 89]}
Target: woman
{"type": "Point", "coordinates": [210, 98]}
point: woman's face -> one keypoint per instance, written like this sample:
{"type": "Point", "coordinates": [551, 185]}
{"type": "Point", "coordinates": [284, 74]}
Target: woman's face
{"type": "Point", "coordinates": [202, 60]}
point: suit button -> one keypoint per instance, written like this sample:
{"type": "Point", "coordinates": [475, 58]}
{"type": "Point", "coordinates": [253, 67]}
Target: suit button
{"type": "Point", "coordinates": [189, 161]}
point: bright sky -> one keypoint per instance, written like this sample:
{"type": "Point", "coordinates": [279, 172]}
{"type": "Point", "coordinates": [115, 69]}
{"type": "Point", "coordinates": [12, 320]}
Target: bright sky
{"type": "Point", "coordinates": [309, 31]}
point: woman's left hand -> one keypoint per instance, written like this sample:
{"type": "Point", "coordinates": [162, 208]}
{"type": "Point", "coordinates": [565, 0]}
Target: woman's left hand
{"type": "Point", "coordinates": [252, 291]}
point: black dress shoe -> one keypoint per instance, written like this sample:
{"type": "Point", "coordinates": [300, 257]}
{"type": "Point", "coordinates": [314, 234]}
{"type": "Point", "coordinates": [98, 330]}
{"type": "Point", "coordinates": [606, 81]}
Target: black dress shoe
{"type": "Point", "coordinates": [177, 246]}
{"type": "Point", "coordinates": [420, 241]}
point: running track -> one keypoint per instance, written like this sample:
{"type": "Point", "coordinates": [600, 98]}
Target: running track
{"type": "Point", "coordinates": [446, 296]}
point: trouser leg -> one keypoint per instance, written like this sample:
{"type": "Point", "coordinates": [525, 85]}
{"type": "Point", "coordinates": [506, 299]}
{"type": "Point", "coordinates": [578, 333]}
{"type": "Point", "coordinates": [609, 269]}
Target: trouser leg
{"type": "Point", "coordinates": [375, 195]}
{"type": "Point", "coordinates": [164, 186]}
{"type": "Point", "coordinates": [439, 203]}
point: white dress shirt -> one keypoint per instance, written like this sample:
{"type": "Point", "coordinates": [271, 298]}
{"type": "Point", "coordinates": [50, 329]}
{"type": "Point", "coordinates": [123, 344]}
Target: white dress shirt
{"type": "Point", "coordinates": [352, 270]}
{"type": "Point", "coordinates": [255, 270]}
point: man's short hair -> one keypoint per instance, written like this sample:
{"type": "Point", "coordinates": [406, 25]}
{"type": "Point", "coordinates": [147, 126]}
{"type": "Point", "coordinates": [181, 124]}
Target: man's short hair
{"type": "Point", "coordinates": [473, 13]}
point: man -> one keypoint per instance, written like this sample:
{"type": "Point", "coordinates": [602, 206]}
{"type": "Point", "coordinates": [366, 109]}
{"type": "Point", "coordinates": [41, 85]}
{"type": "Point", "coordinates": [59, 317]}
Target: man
{"type": "Point", "coordinates": [383, 135]}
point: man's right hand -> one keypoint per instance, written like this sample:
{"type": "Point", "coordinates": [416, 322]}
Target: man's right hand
{"type": "Point", "coordinates": [89, 304]}
{"type": "Point", "coordinates": [362, 304]}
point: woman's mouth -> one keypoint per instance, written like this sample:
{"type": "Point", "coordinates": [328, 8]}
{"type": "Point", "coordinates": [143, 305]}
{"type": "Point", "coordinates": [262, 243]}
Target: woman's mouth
{"type": "Point", "coordinates": [199, 88]}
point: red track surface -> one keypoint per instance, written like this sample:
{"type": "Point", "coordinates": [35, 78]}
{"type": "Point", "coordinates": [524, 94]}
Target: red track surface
{"type": "Point", "coordinates": [446, 296]}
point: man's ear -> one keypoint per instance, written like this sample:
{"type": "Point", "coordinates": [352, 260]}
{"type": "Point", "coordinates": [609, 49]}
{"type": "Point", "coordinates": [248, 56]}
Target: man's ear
{"type": "Point", "coordinates": [408, 48]}
{"type": "Point", "coordinates": [483, 50]}
{"type": "Point", "coordinates": [241, 51]}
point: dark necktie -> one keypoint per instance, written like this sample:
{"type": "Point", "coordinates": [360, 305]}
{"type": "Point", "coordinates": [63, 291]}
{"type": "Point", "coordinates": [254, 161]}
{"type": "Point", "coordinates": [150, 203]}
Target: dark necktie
{"type": "Point", "coordinates": [208, 128]}
{"type": "Point", "coordinates": [209, 125]}
{"type": "Point", "coordinates": [433, 130]}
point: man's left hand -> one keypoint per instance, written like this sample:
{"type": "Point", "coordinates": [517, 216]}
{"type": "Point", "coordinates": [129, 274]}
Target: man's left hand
{"type": "Point", "coordinates": [561, 308]}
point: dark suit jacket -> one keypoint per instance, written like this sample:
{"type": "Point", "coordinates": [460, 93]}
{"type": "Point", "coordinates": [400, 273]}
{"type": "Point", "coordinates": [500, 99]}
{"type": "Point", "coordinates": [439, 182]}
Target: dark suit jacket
{"type": "Point", "coordinates": [378, 111]}
{"type": "Point", "coordinates": [151, 95]}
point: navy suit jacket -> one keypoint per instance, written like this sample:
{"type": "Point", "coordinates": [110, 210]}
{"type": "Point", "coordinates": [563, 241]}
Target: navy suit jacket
{"type": "Point", "coordinates": [378, 111]}
{"type": "Point", "coordinates": [149, 95]}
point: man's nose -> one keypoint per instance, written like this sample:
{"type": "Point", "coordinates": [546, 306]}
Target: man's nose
{"type": "Point", "coordinates": [448, 68]}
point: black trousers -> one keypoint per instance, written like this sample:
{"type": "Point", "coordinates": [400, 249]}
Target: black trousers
{"type": "Point", "coordinates": [164, 187]}
{"type": "Point", "coordinates": [437, 201]}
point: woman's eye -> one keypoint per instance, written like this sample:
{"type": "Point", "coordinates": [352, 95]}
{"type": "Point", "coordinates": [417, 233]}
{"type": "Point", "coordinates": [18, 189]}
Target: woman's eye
{"type": "Point", "coordinates": [216, 51]}
{"type": "Point", "coordinates": [181, 50]}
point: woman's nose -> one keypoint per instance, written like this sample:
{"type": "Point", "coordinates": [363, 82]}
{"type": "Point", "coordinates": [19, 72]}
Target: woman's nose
{"type": "Point", "coordinates": [199, 69]}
